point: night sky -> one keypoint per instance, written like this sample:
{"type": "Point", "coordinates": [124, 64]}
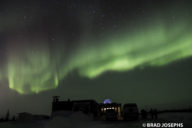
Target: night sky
{"type": "Point", "coordinates": [128, 51]}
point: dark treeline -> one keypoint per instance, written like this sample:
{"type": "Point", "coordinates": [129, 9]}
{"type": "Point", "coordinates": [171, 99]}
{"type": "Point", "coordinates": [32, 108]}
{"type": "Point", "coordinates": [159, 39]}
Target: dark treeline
{"type": "Point", "coordinates": [175, 110]}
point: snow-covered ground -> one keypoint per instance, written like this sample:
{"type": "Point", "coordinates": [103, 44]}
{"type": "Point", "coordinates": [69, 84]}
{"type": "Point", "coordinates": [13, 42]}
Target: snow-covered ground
{"type": "Point", "coordinates": [79, 120]}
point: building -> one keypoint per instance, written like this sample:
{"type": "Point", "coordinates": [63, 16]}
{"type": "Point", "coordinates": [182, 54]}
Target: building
{"type": "Point", "coordinates": [108, 105]}
{"type": "Point", "coordinates": [61, 105]}
{"type": "Point", "coordinates": [130, 111]}
{"type": "Point", "coordinates": [107, 110]}
{"type": "Point", "coordinates": [85, 106]}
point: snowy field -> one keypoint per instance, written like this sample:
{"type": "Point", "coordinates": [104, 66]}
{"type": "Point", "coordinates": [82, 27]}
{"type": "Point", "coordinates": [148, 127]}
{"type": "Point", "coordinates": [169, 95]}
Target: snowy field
{"type": "Point", "coordinates": [79, 120]}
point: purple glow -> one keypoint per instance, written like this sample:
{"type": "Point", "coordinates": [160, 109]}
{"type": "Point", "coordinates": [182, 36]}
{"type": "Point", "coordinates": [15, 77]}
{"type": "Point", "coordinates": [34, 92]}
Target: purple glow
{"type": "Point", "coordinates": [107, 101]}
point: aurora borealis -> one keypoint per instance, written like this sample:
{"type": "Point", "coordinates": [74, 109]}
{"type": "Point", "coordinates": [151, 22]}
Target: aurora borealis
{"type": "Point", "coordinates": [153, 46]}
{"type": "Point", "coordinates": [43, 43]}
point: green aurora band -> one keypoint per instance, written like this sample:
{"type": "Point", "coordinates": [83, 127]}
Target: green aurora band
{"type": "Point", "coordinates": [152, 45]}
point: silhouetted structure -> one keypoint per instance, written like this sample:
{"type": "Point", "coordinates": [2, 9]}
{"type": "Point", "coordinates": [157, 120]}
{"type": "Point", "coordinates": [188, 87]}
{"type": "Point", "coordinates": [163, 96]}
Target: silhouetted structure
{"type": "Point", "coordinates": [153, 113]}
{"type": "Point", "coordinates": [2, 120]}
{"type": "Point", "coordinates": [56, 98]}
{"type": "Point", "coordinates": [130, 111]}
{"type": "Point", "coordinates": [13, 118]}
{"type": "Point", "coordinates": [106, 110]}
{"type": "Point", "coordinates": [110, 110]}
{"type": "Point", "coordinates": [111, 114]}
{"type": "Point", "coordinates": [144, 114]}
{"type": "Point", "coordinates": [175, 110]}
{"type": "Point", "coordinates": [85, 106]}
{"type": "Point", "coordinates": [61, 105]}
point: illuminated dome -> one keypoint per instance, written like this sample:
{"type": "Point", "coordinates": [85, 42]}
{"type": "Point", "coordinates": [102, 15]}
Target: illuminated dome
{"type": "Point", "coordinates": [107, 101]}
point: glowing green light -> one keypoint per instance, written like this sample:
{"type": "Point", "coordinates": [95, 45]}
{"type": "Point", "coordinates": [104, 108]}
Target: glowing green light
{"type": "Point", "coordinates": [152, 45]}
